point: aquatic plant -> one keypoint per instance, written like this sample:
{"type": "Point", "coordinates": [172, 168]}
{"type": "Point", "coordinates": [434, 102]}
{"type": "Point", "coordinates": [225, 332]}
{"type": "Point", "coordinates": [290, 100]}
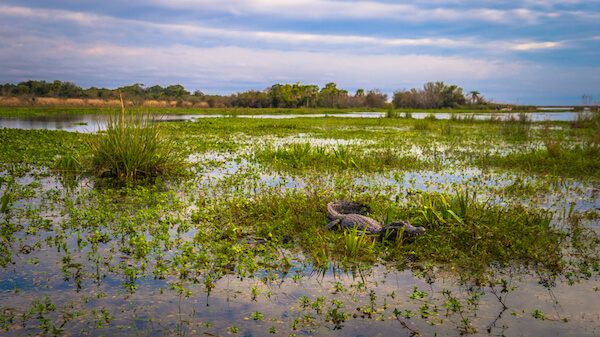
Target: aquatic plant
{"type": "Point", "coordinates": [423, 124]}
{"type": "Point", "coordinates": [389, 111]}
{"type": "Point", "coordinates": [132, 147]}
{"type": "Point", "coordinates": [4, 200]}
{"type": "Point", "coordinates": [358, 242]}
{"type": "Point", "coordinates": [518, 128]}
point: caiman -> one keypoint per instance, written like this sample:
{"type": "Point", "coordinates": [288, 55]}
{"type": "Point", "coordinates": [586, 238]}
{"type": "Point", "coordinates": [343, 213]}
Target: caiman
{"type": "Point", "coordinates": [348, 214]}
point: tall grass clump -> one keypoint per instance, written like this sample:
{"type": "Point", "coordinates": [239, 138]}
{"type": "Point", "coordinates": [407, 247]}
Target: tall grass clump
{"type": "Point", "coordinates": [132, 147]}
{"type": "Point", "coordinates": [517, 127]}
{"type": "Point", "coordinates": [423, 124]}
{"type": "Point", "coordinates": [68, 167]}
{"type": "Point", "coordinates": [390, 113]}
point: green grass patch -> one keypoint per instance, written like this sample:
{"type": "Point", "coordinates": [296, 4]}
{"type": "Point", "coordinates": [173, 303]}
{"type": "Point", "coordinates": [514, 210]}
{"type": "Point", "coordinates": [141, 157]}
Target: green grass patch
{"type": "Point", "coordinates": [301, 156]}
{"type": "Point", "coordinates": [580, 161]}
{"type": "Point", "coordinates": [476, 235]}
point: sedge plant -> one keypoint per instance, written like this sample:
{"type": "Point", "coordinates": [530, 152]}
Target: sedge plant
{"type": "Point", "coordinates": [133, 147]}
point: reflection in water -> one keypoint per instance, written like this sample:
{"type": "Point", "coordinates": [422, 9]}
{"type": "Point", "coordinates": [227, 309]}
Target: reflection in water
{"type": "Point", "coordinates": [92, 123]}
{"type": "Point", "coordinates": [91, 263]}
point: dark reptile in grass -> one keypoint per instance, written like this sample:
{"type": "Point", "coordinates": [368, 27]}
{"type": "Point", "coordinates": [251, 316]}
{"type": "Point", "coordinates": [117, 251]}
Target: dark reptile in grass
{"type": "Point", "coordinates": [347, 214]}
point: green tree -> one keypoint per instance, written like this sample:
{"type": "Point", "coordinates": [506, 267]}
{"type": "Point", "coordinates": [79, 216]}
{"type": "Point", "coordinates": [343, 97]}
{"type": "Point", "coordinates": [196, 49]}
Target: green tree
{"type": "Point", "coordinates": [176, 91]}
{"type": "Point", "coordinates": [375, 99]}
{"type": "Point", "coordinates": [474, 96]}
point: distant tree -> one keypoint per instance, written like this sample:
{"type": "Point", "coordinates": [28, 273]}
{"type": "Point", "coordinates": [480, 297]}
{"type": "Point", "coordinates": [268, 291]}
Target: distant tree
{"type": "Point", "coordinates": [21, 90]}
{"type": "Point", "coordinates": [474, 96]}
{"type": "Point", "coordinates": [176, 91]}
{"type": "Point", "coordinates": [70, 90]}
{"type": "Point", "coordinates": [452, 96]}
{"type": "Point", "coordinates": [332, 97]}
{"type": "Point", "coordinates": [375, 99]}
{"type": "Point", "coordinates": [433, 95]}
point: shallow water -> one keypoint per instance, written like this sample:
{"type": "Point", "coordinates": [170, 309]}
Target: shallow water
{"type": "Point", "coordinates": [93, 123]}
{"type": "Point", "coordinates": [104, 289]}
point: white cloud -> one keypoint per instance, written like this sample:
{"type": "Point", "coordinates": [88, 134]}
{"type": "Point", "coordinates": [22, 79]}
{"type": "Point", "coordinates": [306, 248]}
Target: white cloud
{"type": "Point", "coordinates": [50, 15]}
{"type": "Point", "coordinates": [535, 45]}
{"type": "Point", "coordinates": [239, 67]}
{"type": "Point", "coordinates": [343, 10]}
{"type": "Point", "coordinates": [319, 41]}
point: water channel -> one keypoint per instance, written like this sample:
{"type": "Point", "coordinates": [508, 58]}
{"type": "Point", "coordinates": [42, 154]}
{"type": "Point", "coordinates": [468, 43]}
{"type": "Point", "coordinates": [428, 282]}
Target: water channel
{"type": "Point", "coordinates": [92, 123]}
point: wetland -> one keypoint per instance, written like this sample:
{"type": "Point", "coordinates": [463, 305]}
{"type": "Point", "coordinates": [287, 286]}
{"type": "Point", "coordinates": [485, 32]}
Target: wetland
{"type": "Point", "coordinates": [229, 241]}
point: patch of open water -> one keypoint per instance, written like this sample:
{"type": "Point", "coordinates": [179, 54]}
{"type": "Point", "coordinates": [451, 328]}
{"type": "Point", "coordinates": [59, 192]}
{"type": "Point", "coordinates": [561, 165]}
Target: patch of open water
{"type": "Point", "coordinates": [93, 123]}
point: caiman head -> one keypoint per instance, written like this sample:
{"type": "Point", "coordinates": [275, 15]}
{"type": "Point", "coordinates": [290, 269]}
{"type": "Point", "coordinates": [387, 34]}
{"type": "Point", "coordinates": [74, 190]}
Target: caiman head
{"type": "Point", "coordinates": [392, 231]}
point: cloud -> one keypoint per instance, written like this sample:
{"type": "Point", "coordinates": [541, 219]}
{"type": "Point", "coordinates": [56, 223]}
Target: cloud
{"type": "Point", "coordinates": [234, 45]}
{"type": "Point", "coordinates": [236, 67]}
{"type": "Point", "coordinates": [535, 45]}
{"type": "Point", "coordinates": [348, 10]}
{"type": "Point", "coordinates": [50, 15]}
{"type": "Point", "coordinates": [197, 33]}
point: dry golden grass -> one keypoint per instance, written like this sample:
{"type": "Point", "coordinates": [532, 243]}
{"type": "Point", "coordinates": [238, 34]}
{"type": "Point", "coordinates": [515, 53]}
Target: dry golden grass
{"type": "Point", "coordinates": [10, 101]}
{"type": "Point", "coordinates": [173, 104]}
{"type": "Point", "coordinates": [51, 102]}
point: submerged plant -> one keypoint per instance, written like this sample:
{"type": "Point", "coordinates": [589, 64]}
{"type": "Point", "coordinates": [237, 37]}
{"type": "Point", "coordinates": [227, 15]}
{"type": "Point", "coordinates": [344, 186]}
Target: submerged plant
{"type": "Point", "coordinates": [5, 198]}
{"type": "Point", "coordinates": [68, 166]}
{"type": "Point", "coordinates": [132, 147]}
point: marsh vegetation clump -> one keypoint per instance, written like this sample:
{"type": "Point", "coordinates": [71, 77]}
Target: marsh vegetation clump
{"type": "Point", "coordinates": [132, 147]}
{"type": "Point", "coordinates": [468, 232]}
{"type": "Point", "coordinates": [304, 155]}
{"type": "Point", "coordinates": [518, 127]}
{"type": "Point", "coordinates": [389, 111]}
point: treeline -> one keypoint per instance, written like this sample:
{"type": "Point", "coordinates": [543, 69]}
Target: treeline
{"type": "Point", "coordinates": [432, 95]}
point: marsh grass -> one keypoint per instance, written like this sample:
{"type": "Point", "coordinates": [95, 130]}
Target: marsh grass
{"type": "Point", "coordinates": [358, 244]}
{"type": "Point", "coordinates": [586, 120]}
{"type": "Point", "coordinates": [389, 111]}
{"type": "Point", "coordinates": [132, 147]}
{"type": "Point", "coordinates": [424, 124]}
{"type": "Point", "coordinates": [577, 161]}
{"type": "Point", "coordinates": [476, 234]}
{"type": "Point", "coordinates": [517, 127]}
{"type": "Point", "coordinates": [305, 156]}
{"type": "Point", "coordinates": [462, 229]}
{"type": "Point", "coordinates": [69, 166]}
{"type": "Point", "coordinates": [467, 119]}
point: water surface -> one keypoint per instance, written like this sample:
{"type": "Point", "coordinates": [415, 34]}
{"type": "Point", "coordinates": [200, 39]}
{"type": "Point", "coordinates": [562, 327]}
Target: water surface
{"type": "Point", "coordinates": [93, 123]}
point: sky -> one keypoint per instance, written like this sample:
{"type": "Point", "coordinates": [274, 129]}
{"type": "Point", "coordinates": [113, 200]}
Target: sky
{"type": "Point", "coordinates": [543, 52]}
